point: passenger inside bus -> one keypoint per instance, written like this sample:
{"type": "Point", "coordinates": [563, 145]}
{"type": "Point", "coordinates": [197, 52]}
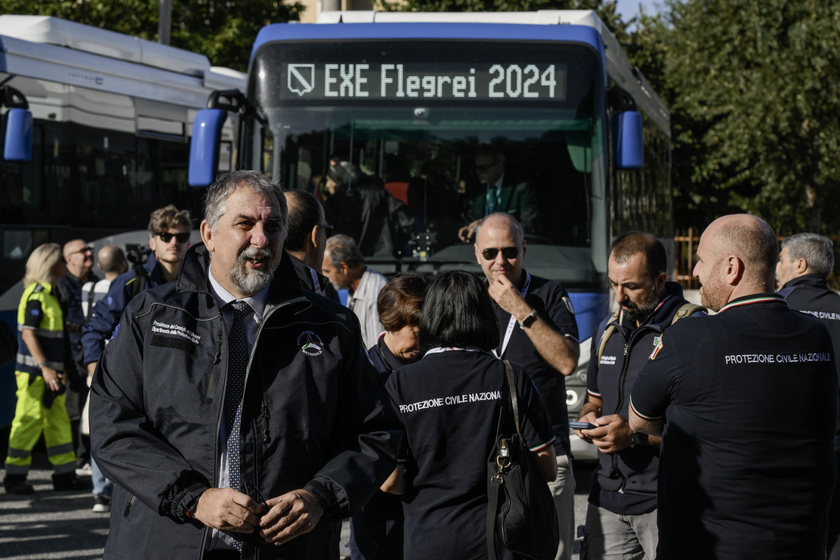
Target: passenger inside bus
{"type": "Point", "coordinates": [358, 205]}
{"type": "Point", "coordinates": [499, 194]}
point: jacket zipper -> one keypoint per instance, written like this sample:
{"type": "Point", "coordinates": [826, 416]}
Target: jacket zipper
{"type": "Point", "coordinates": [622, 377]}
{"type": "Point", "coordinates": [215, 371]}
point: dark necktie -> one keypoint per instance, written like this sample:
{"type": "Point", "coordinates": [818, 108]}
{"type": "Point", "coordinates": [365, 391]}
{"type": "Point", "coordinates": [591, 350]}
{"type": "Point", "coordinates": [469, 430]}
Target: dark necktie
{"type": "Point", "coordinates": [492, 198]}
{"type": "Point", "coordinates": [237, 363]}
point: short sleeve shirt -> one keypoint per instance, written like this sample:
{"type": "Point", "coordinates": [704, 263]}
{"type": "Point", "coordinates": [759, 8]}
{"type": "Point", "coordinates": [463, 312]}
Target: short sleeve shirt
{"type": "Point", "coordinates": [749, 398]}
{"type": "Point", "coordinates": [449, 405]}
{"type": "Point", "coordinates": [552, 303]}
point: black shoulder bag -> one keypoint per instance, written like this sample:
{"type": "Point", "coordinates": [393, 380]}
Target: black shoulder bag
{"type": "Point", "coordinates": [520, 510]}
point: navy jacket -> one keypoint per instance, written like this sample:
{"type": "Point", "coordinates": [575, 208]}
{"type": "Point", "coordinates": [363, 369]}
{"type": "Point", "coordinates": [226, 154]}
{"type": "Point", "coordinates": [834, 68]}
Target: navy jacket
{"type": "Point", "coordinates": [107, 311]}
{"type": "Point", "coordinates": [625, 481]}
{"type": "Point", "coordinates": [314, 414]}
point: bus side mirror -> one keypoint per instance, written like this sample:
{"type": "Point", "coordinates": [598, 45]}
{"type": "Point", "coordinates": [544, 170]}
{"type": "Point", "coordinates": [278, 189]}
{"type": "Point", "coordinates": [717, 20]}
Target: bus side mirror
{"type": "Point", "coordinates": [629, 140]}
{"type": "Point", "coordinates": [18, 141]}
{"type": "Point", "coordinates": [204, 146]}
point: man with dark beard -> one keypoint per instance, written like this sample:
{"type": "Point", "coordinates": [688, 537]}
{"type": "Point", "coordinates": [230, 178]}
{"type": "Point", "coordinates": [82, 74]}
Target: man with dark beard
{"type": "Point", "coordinates": [239, 416]}
{"type": "Point", "coordinates": [621, 519]}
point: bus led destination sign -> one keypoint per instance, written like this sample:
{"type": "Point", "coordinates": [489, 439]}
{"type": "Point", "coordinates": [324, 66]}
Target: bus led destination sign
{"type": "Point", "coordinates": [323, 81]}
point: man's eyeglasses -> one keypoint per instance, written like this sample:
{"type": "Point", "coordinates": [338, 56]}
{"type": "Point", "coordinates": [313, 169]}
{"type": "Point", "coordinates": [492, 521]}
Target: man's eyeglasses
{"type": "Point", "coordinates": [166, 237]}
{"type": "Point", "coordinates": [509, 253]}
{"type": "Point", "coordinates": [328, 229]}
{"type": "Point", "coordinates": [483, 168]}
{"type": "Point", "coordinates": [85, 249]}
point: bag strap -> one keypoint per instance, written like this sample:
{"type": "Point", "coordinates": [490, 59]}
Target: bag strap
{"type": "Point", "coordinates": [606, 333]}
{"type": "Point", "coordinates": [494, 488]}
{"type": "Point", "coordinates": [687, 310]}
{"type": "Point", "coordinates": [514, 398]}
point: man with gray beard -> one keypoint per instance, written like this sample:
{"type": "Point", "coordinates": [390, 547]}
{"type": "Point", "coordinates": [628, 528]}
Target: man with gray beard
{"type": "Point", "coordinates": [239, 417]}
{"type": "Point", "coordinates": [621, 519]}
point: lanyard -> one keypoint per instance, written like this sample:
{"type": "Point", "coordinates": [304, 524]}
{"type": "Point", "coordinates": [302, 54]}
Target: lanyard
{"type": "Point", "coordinates": [315, 281]}
{"type": "Point", "coordinates": [512, 322]}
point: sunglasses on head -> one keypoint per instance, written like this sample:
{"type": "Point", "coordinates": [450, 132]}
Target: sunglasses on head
{"type": "Point", "coordinates": [180, 237]}
{"type": "Point", "coordinates": [509, 253]}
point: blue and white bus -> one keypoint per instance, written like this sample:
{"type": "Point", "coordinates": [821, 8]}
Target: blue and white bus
{"type": "Point", "coordinates": [411, 97]}
{"type": "Point", "coordinates": [95, 137]}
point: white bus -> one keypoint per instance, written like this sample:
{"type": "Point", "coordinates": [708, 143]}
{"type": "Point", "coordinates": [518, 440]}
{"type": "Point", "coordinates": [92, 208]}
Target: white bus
{"type": "Point", "coordinates": [96, 135]}
{"type": "Point", "coordinates": [410, 98]}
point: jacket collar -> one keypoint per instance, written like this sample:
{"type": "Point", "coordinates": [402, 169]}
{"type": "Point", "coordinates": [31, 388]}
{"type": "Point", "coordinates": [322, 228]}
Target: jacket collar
{"type": "Point", "coordinates": [753, 299]}
{"type": "Point", "coordinates": [813, 280]}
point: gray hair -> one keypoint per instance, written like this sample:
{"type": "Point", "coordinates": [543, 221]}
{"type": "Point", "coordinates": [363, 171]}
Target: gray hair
{"type": "Point", "coordinates": [342, 249]}
{"type": "Point", "coordinates": [218, 193]}
{"type": "Point", "coordinates": [816, 249]}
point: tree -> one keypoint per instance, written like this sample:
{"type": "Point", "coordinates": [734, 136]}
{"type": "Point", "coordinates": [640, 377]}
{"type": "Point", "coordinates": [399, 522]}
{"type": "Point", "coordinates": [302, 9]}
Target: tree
{"type": "Point", "coordinates": [606, 9]}
{"type": "Point", "coordinates": [754, 89]}
{"type": "Point", "coordinates": [224, 31]}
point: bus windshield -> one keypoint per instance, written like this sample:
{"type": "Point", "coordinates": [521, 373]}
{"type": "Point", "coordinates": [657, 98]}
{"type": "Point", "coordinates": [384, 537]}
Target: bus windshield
{"type": "Point", "coordinates": [448, 142]}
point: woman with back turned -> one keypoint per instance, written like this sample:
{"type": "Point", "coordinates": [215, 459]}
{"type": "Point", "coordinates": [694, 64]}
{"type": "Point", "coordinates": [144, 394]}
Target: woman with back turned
{"type": "Point", "coordinates": [449, 403]}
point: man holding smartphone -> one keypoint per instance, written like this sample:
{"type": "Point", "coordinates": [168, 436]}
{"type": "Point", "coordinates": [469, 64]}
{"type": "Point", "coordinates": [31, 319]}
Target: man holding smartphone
{"type": "Point", "coordinates": [621, 519]}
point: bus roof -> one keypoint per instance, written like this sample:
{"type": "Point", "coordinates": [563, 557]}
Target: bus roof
{"type": "Point", "coordinates": [20, 34]}
{"type": "Point", "coordinates": [568, 25]}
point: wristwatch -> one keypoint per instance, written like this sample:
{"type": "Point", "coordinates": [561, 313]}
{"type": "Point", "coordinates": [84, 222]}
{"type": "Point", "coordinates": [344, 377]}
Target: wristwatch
{"type": "Point", "coordinates": [529, 320]}
{"type": "Point", "coordinates": [639, 438]}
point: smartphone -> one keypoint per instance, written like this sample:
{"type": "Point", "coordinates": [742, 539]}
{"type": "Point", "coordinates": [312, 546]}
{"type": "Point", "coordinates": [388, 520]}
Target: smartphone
{"type": "Point", "coordinates": [582, 425]}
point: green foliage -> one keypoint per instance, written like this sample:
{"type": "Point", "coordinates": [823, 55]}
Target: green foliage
{"type": "Point", "coordinates": [754, 90]}
{"type": "Point", "coordinates": [606, 9]}
{"type": "Point", "coordinates": [224, 31]}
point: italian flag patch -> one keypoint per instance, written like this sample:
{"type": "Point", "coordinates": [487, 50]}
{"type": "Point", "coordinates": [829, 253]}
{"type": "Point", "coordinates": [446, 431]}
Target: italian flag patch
{"type": "Point", "coordinates": [657, 346]}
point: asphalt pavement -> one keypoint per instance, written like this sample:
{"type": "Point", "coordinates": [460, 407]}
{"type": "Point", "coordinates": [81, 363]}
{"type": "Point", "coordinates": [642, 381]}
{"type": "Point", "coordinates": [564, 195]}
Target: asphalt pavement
{"type": "Point", "coordinates": [62, 525]}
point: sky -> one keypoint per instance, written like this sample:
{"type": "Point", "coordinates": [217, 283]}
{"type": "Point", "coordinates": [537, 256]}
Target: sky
{"type": "Point", "coordinates": [630, 8]}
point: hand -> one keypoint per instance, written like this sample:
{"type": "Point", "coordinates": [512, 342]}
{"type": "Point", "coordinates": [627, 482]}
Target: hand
{"type": "Point", "coordinates": [612, 434]}
{"type": "Point", "coordinates": [228, 510]}
{"type": "Point", "coordinates": [508, 297]}
{"type": "Point", "coordinates": [52, 378]}
{"type": "Point", "coordinates": [291, 515]}
{"type": "Point", "coordinates": [467, 232]}
{"type": "Point", "coordinates": [589, 417]}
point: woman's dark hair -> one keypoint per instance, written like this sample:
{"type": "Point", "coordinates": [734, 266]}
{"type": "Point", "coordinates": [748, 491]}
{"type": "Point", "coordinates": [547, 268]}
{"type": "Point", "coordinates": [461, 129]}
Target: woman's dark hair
{"type": "Point", "coordinates": [400, 302]}
{"type": "Point", "coordinates": [458, 312]}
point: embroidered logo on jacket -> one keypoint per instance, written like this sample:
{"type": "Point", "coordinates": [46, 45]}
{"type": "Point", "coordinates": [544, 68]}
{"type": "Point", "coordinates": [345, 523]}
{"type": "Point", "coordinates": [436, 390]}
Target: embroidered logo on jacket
{"type": "Point", "coordinates": [310, 343]}
{"type": "Point", "coordinates": [657, 347]}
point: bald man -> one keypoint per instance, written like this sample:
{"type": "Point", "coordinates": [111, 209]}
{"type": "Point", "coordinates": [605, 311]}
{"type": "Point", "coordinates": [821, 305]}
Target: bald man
{"type": "Point", "coordinates": [538, 331]}
{"type": "Point", "coordinates": [746, 403]}
{"type": "Point", "coordinates": [78, 256]}
{"type": "Point", "coordinates": [111, 261]}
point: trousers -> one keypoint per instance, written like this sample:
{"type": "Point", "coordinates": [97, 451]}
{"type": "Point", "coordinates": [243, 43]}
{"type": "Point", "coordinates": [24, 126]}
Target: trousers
{"type": "Point", "coordinates": [31, 419]}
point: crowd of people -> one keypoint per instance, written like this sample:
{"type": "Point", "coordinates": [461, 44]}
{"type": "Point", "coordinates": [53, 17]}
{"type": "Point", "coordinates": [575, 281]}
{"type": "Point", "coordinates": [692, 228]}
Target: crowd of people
{"type": "Point", "coordinates": [238, 409]}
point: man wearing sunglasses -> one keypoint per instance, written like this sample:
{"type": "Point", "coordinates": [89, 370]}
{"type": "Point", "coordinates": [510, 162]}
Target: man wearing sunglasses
{"type": "Point", "coordinates": [78, 256]}
{"type": "Point", "coordinates": [169, 239]}
{"type": "Point", "coordinates": [539, 332]}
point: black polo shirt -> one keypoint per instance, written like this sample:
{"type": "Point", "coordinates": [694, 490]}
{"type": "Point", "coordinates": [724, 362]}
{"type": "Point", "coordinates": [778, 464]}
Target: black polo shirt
{"type": "Point", "coordinates": [449, 405]}
{"type": "Point", "coordinates": [552, 303]}
{"type": "Point", "coordinates": [747, 467]}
